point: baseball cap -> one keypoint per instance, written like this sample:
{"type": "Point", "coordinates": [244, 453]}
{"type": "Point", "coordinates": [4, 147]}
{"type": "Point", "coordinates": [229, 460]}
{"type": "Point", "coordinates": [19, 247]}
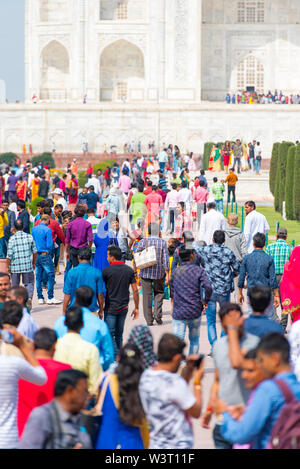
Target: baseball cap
{"type": "Point", "coordinates": [282, 232]}
{"type": "Point", "coordinates": [58, 192]}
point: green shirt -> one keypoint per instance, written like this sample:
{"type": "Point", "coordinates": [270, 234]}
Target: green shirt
{"type": "Point", "coordinates": [218, 190]}
{"type": "Point", "coordinates": [137, 206]}
{"type": "Point", "coordinates": [280, 253]}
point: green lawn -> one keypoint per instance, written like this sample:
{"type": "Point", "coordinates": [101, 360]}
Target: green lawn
{"type": "Point", "coordinates": [293, 227]}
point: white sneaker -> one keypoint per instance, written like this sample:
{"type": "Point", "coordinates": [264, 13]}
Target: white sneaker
{"type": "Point", "coordinates": [54, 301]}
{"type": "Point", "coordinates": [41, 302]}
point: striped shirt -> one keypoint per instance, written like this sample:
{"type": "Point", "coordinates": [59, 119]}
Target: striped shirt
{"type": "Point", "coordinates": [157, 271]}
{"type": "Point", "coordinates": [11, 370]}
{"type": "Point", "coordinates": [280, 252]}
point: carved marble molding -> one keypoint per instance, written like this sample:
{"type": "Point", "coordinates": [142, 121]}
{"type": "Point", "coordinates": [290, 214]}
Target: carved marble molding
{"type": "Point", "coordinates": [139, 40]}
{"type": "Point", "coordinates": [181, 39]}
{"type": "Point", "coordinates": [63, 39]}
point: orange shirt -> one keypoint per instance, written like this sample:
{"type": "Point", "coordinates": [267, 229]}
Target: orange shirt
{"type": "Point", "coordinates": [231, 179]}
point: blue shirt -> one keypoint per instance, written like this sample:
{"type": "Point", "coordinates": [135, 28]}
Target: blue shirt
{"type": "Point", "coordinates": [260, 324]}
{"type": "Point", "coordinates": [94, 331]}
{"type": "Point", "coordinates": [91, 199]}
{"type": "Point", "coordinates": [84, 275]}
{"type": "Point", "coordinates": [260, 268]}
{"type": "Point", "coordinates": [42, 236]}
{"type": "Point", "coordinates": [261, 415]}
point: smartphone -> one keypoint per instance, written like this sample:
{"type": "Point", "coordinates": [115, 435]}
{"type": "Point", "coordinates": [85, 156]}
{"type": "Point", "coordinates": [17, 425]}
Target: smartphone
{"type": "Point", "coordinates": [198, 362]}
{"type": "Point", "coordinates": [6, 336]}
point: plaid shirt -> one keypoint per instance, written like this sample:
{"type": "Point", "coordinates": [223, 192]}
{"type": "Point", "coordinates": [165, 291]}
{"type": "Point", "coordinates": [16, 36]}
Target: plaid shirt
{"type": "Point", "coordinates": [21, 247]}
{"type": "Point", "coordinates": [280, 252]}
{"type": "Point", "coordinates": [218, 190]}
{"type": "Point", "coordinates": [156, 271]}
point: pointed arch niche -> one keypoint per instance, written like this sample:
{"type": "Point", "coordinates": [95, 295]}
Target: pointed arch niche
{"type": "Point", "coordinates": [122, 72]}
{"type": "Point", "coordinates": [55, 72]}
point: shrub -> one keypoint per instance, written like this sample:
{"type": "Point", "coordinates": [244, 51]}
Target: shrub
{"type": "Point", "coordinates": [280, 175]}
{"type": "Point", "coordinates": [8, 158]}
{"type": "Point", "coordinates": [289, 184]}
{"type": "Point", "coordinates": [103, 165]}
{"type": "Point", "coordinates": [82, 179]}
{"type": "Point", "coordinates": [273, 167]}
{"type": "Point", "coordinates": [44, 158]}
{"type": "Point", "coordinates": [296, 184]}
{"type": "Point", "coordinates": [206, 154]}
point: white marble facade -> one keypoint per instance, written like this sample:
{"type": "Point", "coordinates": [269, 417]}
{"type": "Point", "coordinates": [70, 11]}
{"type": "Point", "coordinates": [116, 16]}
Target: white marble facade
{"type": "Point", "coordinates": [154, 70]}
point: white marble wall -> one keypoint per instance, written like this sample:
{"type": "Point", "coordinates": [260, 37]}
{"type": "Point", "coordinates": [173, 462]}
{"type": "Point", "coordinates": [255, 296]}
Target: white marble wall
{"type": "Point", "coordinates": [189, 126]}
{"type": "Point", "coordinates": [275, 43]}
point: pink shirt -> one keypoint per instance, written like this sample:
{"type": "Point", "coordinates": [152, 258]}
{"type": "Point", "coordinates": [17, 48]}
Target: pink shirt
{"type": "Point", "coordinates": [153, 202]}
{"type": "Point", "coordinates": [201, 195]}
{"type": "Point", "coordinates": [172, 199]}
{"type": "Point", "coordinates": [125, 183]}
{"type": "Point", "coordinates": [62, 185]}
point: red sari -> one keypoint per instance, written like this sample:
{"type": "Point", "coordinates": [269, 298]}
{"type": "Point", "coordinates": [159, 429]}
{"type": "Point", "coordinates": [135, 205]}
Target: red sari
{"type": "Point", "coordinates": [290, 286]}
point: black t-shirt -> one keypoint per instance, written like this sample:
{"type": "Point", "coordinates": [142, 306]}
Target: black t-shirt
{"type": "Point", "coordinates": [118, 278]}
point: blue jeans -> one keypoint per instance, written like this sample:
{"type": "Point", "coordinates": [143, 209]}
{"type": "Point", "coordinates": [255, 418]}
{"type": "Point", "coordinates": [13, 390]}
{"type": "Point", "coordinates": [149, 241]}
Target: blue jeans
{"type": "Point", "coordinates": [44, 264]}
{"type": "Point", "coordinates": [68, 268]}
{"type": "Point", "coordinates": [257, 165]}
{"type": "Point", "coordinates": [162, 167]}
{"type": "Point", "coordinates": [219, 204]}
{"type": "Point", "coordinates": [211, 314]}
{"type": "Point", "coordinates": [3, 248]}
{"type": "Point", "coordinates": [115, 323]}
{"type": "Point", "coordinates": [179, 328]}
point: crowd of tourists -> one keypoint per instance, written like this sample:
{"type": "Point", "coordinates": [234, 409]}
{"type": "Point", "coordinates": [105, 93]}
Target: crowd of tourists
{"type": "Point", "coordinates": [254, 97]}
{"type": "Point", "coordinates": [146, 231]}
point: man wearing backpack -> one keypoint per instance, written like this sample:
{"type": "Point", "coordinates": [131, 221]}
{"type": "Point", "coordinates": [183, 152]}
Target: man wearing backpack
{"type": "Point", "coordinates": [268, 409]}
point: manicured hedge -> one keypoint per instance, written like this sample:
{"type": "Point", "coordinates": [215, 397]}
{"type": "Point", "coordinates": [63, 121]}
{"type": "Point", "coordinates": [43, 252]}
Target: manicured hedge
{"type": "Point", "coordinates": [206, 154]}
{"type": "Point", "coordinates": [289, 184]}
{"type": "Point", "coordinates": [273, 167]}
{"type": "Point", "coordinates": [280, 175]}
{"type": "Point", "coordinates": [296, 184]}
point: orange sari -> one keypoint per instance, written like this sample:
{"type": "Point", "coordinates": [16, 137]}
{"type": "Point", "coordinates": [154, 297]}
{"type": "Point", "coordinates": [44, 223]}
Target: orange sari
{"type": "Point", "coordinates": [35, 189]}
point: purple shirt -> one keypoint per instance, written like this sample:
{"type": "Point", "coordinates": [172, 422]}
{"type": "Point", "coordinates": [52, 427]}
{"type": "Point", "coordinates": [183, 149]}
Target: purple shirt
{"type": "Point", "coordinates": [79, 233]}
{"type": "Point", "coordinates": [12, 183]}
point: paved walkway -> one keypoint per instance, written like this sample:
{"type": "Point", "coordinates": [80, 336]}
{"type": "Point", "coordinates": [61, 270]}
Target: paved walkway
{"type": "Point", "coordinates": [46, 315]}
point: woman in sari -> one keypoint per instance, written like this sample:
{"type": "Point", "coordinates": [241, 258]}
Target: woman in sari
{"type": "Point", "coordinates": [290, 286]}
{"type": "Point", "coordinates": [102, 240]}
{"type": "Point", "coordinates": [35, 187]}
{"type": "Point", "coordinates": [124, 424]}
{"type": "Point", "coordinates": [73, 190]}
{"type": "Point", "coordinates": [215, 159]}
{"type": "Point", "coordinates": [226, 153]}
{"type": "Point", "coordinates": [245, 158]}
{"type": "Point", "coordinates": [21, 188]}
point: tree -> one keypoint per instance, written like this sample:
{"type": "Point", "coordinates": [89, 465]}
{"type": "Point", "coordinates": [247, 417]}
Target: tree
{"type": "Point", "coordinates": [273, 167]}
{"type": "Point", "coordinates": [289, 184]}
{"type": "Point", "coordinates": [280, 175]}
{"type": "Point", "coordinates": [296, 184]}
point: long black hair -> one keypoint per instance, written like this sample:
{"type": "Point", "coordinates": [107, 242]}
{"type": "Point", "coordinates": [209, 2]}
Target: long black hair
{"type": "Point", "coordinates": [129, 371]}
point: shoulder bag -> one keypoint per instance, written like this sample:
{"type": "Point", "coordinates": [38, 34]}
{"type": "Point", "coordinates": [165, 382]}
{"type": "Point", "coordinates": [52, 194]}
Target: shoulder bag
{"type": "Point", "coordinates": [145, 258]}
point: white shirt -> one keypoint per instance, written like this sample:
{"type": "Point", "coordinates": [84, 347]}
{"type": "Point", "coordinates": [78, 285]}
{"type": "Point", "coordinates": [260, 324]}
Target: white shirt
{"type": "Point", "coordinates": [94, 182]}
{"type": "Point", "coordinates": [185, 195]}
{"type": "Point", "coordinates": [255, 223]}
{"type": "Point", "coordinates": [11, 370]}
{"type": "Point", "coordinates": [211, 222]}
{"type": "Point", "coordinates": [62, 201]}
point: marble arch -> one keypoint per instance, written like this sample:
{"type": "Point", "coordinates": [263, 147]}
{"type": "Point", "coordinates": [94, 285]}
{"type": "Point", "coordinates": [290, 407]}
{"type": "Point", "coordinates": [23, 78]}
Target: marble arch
{"type": "Point", "coordinates": [122, 72]}
{"type": "Point", "coordinates": [55, 72]}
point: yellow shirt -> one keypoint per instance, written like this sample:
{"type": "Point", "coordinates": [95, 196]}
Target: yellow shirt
{"type": "Point", "coordinates": [81, 355]}
{"type": "Point", "coordinates": [3, 223]}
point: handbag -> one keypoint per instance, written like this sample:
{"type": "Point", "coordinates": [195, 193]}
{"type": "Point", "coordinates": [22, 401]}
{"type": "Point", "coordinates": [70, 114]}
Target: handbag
{"type": "Point", "coordinates": [145, 258]}
{"type": "Point", "coordinates": [91, 420]}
